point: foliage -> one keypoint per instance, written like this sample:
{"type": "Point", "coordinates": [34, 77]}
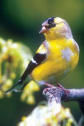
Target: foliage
{"type": "Point", "coordinates": [14, 58]}
{"type": "Point", "coordinates": [27, 94]}
{"type": "Point", "coordinates": [52, 114]}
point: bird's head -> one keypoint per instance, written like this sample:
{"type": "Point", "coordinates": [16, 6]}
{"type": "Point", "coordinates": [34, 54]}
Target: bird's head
{"type": "Point", "coordinates": [55, 27]}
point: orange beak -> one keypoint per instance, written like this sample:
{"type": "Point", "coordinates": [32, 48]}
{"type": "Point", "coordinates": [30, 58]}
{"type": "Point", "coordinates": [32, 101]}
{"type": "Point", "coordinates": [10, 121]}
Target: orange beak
{"type": "Point", "coordinates": [44, 27]}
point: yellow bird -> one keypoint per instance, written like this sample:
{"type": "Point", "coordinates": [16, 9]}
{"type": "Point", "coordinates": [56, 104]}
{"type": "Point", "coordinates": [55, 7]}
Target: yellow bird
{"type": "Point", "coordinates": [57, 55]}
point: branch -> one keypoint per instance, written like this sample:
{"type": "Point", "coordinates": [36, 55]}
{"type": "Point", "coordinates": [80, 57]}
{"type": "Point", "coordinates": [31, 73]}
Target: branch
{"type": "Point", "coordinates": [62, 94]}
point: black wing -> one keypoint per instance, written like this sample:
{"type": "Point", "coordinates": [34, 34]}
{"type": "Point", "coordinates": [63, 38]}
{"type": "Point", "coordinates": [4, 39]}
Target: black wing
{"type": "Point", "coordinates": [37, 60]}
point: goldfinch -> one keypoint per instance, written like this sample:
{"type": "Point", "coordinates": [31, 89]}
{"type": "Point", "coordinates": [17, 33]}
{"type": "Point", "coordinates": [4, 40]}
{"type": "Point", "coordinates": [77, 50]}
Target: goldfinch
{"type": "Point", "coordinates": [57, 55]}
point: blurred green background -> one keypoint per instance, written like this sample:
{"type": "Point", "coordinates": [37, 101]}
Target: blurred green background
{"type": "Point", "coordinates": [21, 20]}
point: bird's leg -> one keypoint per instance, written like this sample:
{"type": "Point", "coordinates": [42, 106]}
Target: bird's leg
{"type": "Point", "coordinates": [64, 89]}
{"type": "Point", "coordinates": [60, 86]}
{"type": "Point", "coordinates": [49, 85]}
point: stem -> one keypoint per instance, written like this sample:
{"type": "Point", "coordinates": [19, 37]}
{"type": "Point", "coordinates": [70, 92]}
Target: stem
{"type": "Point", "coordinates": [62, 94]}
{"type": "Point", "coordinates": [74, 95]}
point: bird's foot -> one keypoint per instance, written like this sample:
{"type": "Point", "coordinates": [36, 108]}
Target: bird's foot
{"type": "Point", "coordinates": [64, 89]}
{"type": "Point", "coordinates": [50, 86]}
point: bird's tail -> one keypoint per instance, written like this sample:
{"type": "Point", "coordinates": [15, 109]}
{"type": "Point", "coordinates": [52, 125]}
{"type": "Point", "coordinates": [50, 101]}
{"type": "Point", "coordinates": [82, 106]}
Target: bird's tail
{"type": "Point", "coordinates": [13, 88]}
{"type": "Point", "coordinates": [19, 83]}
{"type": "Point", "coordinates": [28, 71]}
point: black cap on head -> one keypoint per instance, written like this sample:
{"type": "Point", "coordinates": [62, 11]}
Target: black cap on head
{"type": "Point", "coordinates": [47, 24]}
{"type": "Point", "coordinates": [51, 20]}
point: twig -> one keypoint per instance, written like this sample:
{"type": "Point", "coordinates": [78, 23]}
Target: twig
{"type": "Point", "coordinates": [62, 94]}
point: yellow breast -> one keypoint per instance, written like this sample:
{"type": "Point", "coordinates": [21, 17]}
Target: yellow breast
{"type": "Point", "coordinates": [62, 57]}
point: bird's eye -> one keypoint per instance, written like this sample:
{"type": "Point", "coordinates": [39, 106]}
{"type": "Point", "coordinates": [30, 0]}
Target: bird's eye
{"type": "Point", "coordinates": [51, 22]}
